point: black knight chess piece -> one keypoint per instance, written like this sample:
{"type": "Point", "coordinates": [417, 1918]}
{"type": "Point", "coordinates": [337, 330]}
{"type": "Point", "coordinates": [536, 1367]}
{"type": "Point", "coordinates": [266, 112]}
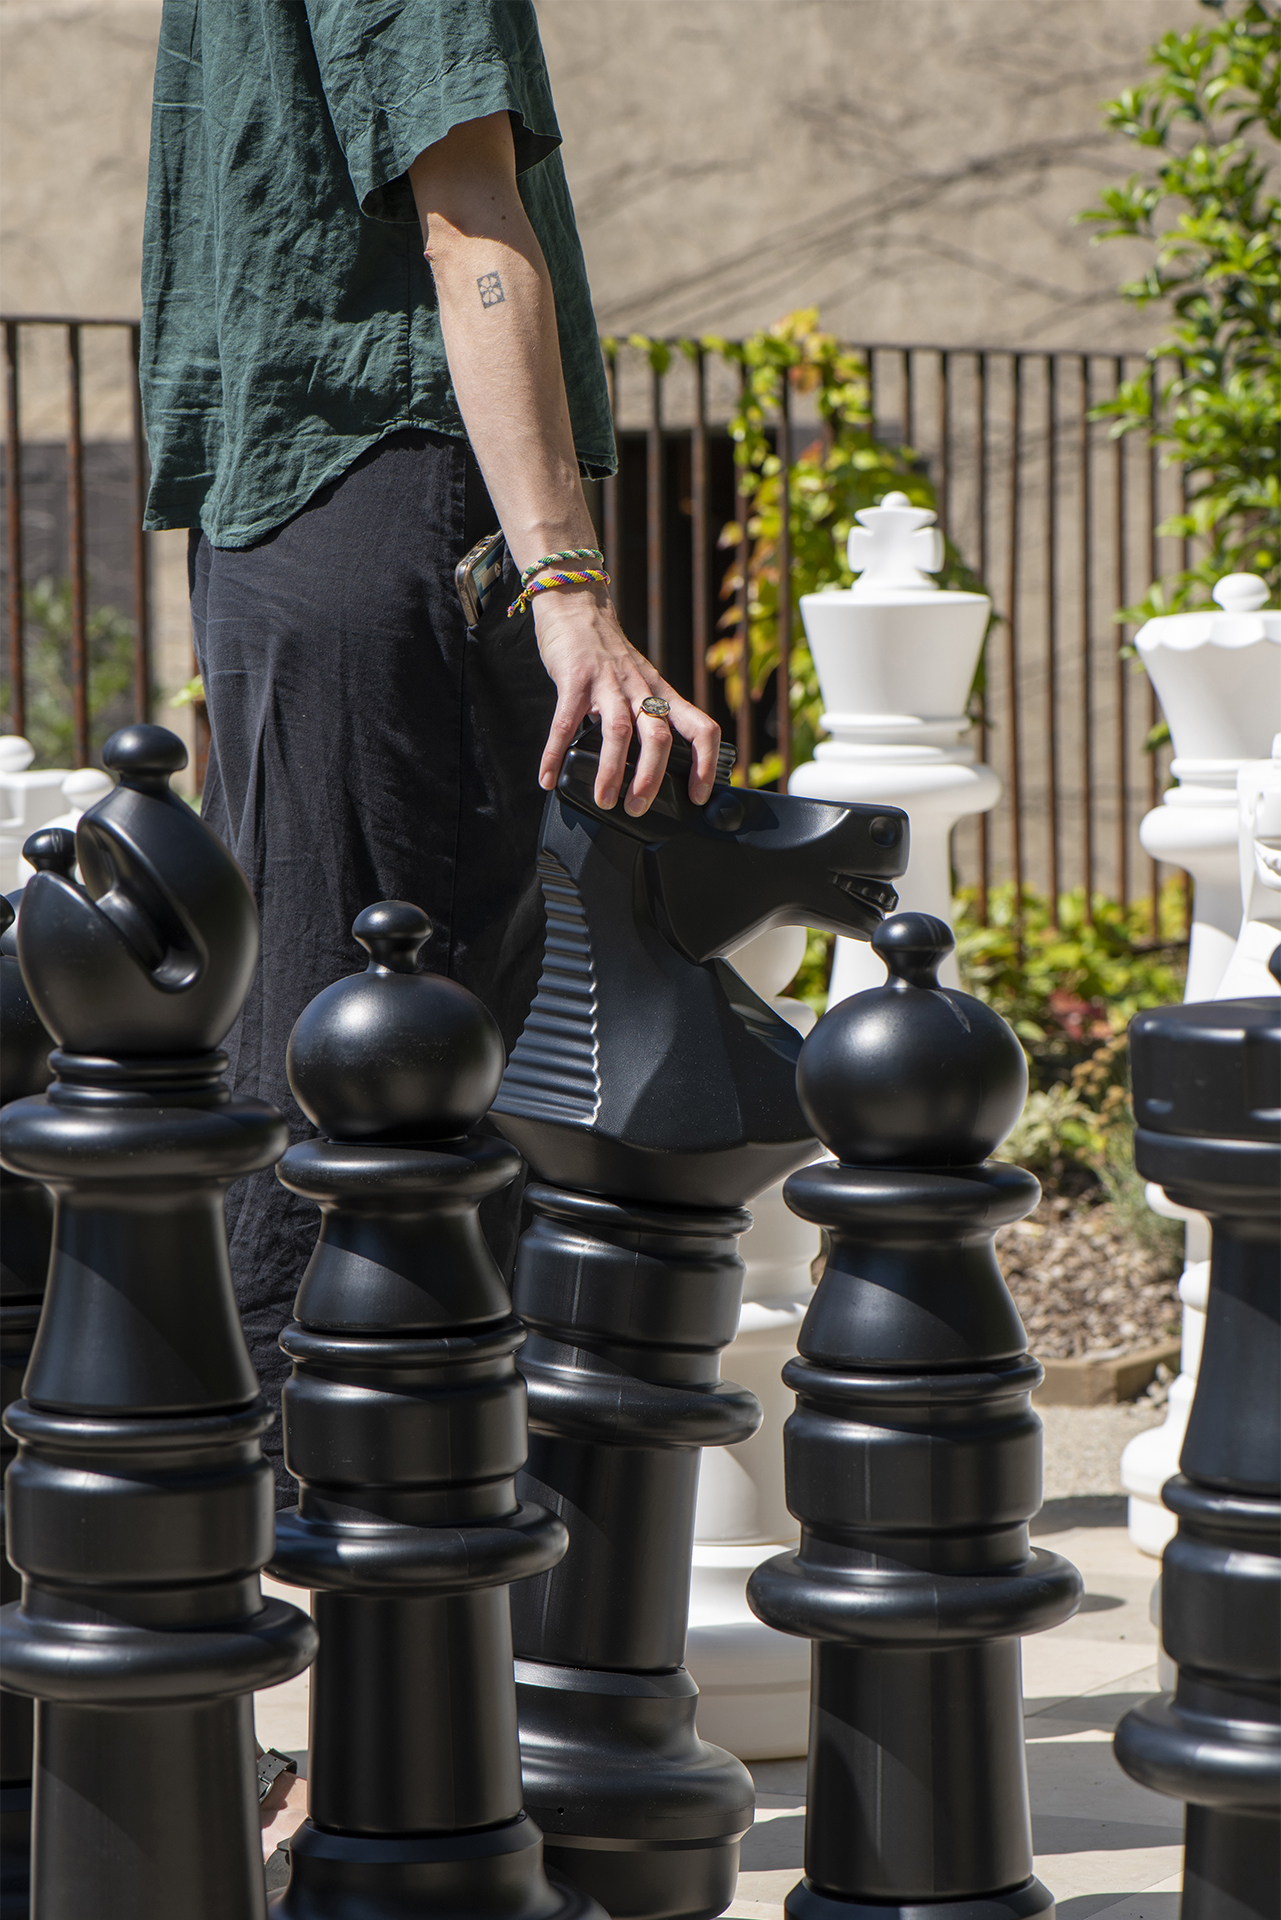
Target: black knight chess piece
{"type": "Point", "coordinates": [140, 1507]}
{"type": "Point", "coordinates": [652, 1093]}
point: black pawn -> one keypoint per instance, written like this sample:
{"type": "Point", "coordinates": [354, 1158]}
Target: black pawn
{"type": "Point", "coordinates": [140, 1507]}
{"type": "Point", "coordinates": [913, 1460]}
{"type": "Point", "coordinates": [26, 1232]}
{"type": "Point", "coordinates": [1207, 1098]}
{"type": "Point", "coordinates": [405, 1427]}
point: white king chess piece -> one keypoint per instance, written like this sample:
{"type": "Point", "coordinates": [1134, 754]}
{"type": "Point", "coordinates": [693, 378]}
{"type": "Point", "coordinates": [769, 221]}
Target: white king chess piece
{"type": "Point", "coordinates": [754, 1683]}
{"type": "Point", "coordinates": [895, 656]}
{"type": "Point", "coordinates": [1218, 678]}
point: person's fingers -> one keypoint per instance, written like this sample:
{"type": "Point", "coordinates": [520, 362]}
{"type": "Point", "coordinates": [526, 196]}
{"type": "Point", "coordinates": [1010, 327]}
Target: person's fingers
{"type": "Point", "coordinates": [655, 744]}
{"type": "Point", "coordinates": [616, 738]}
{"type": "Point", "coordinates": [704, 737]}
{"type": "Point", "coordinates": [572, 702]}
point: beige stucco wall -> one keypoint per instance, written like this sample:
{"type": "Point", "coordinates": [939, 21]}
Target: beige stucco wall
{"type": "Point", "coordinates": [912, 165]}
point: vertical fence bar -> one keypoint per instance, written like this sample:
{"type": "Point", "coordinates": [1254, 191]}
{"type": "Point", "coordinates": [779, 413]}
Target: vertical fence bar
{"type": "Point", "coordinates": [1087, 651]}
{"type": "Point", "coordinates": [656, 632]}
{"type": "Point", "coordinates": [141, 582]}
{"type": "Point", "coordinates": [743, 716]}
{"type": "Point", "coordinates": [76, 553]}
{"type": "Point", "coordinates": [698, 515]}
{"type": "Point", "coordinates": [944, 431]}
{"type": "Point", "coordinates": [13, 483]}
{"type": "Point", "coordinates": [783, 677]}
{"type": "Point", "coordinates": [1186, 557]}
{"type": "Point", "coordinates": [1012, 638]}
{"type": "Point", "coordinates": [980, 454]}
{"type": "Point", "coordinates": [1154, 574]}
{"type": "Point", "coordinates": [610, 487]}
{"type": "Point", "coordinates": [1052, 631]}
{"type": "Point", "coordinates": [909, 409]}
{"type": "Point", "coordinates": [1122, 665]}
{"type": "Point", "coordinates": [869, 354]}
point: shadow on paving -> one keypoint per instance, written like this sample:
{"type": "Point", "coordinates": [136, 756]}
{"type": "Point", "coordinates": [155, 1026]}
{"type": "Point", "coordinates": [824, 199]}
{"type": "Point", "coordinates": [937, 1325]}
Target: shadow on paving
{"type": "Point", "coordinates": [1080, 1510]}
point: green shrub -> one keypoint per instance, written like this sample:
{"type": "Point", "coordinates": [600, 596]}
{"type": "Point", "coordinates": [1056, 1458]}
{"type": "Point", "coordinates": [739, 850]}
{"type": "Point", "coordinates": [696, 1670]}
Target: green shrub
{"type": "Point", "coordinates": [110, 642]}
{"type": "Point", "coordinates": [1215, 234]}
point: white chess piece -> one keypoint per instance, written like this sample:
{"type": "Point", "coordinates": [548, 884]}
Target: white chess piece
{"type": "Point", "coordinates": [753, 1682]}
{"type": "Point", "coordinates": [895, 656]}
{"type": "Point", "coordinates": [80, 790]}
{"type": "Point", "coordinates": [27, 801]}
{"type": "Point", "coordinates": [1218, 678]}
{"type": "Point", "coordinates": [1259, 857]}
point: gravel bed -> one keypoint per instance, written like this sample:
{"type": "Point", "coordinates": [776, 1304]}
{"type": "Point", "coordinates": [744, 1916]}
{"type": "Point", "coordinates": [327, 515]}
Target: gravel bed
{"type": "Point", "coordinates": [1083, 1445]}
{"type": "Point", "coordinates": [1083, 1286]}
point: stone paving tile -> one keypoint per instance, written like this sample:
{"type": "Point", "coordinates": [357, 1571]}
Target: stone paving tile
{"type": "Point", "coordinates": [1107, 1849]}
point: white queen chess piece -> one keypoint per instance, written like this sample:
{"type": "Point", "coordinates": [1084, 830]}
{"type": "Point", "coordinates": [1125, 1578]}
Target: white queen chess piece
{"type": "Point", "coordinates": [895, 656]}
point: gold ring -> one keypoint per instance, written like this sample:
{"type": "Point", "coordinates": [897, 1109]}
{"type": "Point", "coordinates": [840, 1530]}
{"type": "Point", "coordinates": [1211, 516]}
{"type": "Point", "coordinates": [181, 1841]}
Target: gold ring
{"type": "Point", "coordinates": [656, 707]}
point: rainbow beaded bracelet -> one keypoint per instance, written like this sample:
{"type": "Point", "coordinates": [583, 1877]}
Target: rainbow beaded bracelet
{"type": "Point", "coordinates": [587, 576]}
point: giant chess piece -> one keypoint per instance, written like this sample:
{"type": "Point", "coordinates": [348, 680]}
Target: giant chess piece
{"type": "Point", "coordinates": [1207, 1099]}
{"type": "Point", "coordinates": [652, 1093]}
{"type": "Point", "coordinates": [26, 1233]}
{"type": "Point", "coordinates": [405, 1425]}
{"type": "Point", "coordinates": [914, 1461]}
{"type": "Point", "coordinates": [140, 1507]}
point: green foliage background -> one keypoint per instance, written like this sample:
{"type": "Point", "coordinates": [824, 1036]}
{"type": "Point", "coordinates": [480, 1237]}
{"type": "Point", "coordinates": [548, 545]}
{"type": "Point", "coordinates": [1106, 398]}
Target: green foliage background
{"type": "Point", "coordinates": [1201, 124]}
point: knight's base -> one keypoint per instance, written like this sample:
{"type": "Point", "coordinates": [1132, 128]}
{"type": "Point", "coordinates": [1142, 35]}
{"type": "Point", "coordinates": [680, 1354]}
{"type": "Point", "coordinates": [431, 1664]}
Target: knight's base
{"type": "Point", "coordinates": [495, 1874]}
{"type": "Point", "coordinates": [636, 1810]}
{"type": "Point", "coordinates": [805, 1902]}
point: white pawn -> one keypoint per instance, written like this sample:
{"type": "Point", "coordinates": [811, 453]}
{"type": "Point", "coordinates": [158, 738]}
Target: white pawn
{"type": "Point", "coordinates": [28, 801]}
{"type": "Point", "coordinates": [80, 790]}
{"type": "Point", "coordinates": [753, 1682]}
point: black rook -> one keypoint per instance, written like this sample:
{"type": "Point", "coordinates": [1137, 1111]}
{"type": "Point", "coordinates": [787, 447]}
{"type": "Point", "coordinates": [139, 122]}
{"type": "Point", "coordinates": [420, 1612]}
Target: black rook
{"type": "Point", "coordinates": [1207, 1099]}
{"type": "Point", "coordinates": [913, 1461]}
{"type": "Point", "coordinates": [140, 1507]}
{"type": "Point", "coordinates": [405, 1425]}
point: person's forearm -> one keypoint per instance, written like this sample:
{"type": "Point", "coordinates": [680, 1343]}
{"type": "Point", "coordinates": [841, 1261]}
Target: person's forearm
{"type": "Point", "coordinates": [498, 321]}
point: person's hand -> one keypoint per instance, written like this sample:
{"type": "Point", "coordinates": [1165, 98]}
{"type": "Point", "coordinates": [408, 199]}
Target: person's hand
{"type": "Point", "coordinates": [596, 670]}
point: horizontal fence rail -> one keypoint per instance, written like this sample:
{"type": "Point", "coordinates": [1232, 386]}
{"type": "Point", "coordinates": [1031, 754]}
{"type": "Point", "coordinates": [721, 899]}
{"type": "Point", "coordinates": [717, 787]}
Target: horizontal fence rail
{"type": "Point", "coordinates": [1057, 519]}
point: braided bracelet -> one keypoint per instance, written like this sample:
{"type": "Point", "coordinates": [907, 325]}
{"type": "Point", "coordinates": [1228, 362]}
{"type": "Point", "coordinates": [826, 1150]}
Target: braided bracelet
{"type": "Point", "coordinates": [593, 554]}
{"type": "Point", "coordinates": [587, 577]}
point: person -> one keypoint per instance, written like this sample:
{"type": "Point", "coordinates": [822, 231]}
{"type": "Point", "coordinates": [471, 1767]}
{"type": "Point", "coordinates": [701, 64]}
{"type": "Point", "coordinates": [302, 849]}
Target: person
{"type": "Point", "coordinates": [368, 340]}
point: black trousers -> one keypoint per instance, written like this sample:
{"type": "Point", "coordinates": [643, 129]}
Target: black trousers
{"type": "Point", "coordinates": [365, 746]}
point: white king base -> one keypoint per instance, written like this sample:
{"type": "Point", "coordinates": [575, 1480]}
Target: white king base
{"type": "Point", "coordinates": [754, 1683]}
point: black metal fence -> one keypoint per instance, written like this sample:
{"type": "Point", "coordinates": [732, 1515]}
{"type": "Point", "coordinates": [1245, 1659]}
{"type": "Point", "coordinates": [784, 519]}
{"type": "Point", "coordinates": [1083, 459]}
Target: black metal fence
{"type": "Point", "coordinates": [1057, 518]}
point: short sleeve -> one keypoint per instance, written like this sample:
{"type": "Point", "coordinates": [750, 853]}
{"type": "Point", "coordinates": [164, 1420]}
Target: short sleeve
{"type": "Point", "coordinates": [398, 75]}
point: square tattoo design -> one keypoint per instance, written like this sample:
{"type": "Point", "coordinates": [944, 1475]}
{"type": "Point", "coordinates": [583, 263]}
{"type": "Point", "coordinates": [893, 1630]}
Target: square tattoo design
{"type": "Point", "coordinates": [491, 290]}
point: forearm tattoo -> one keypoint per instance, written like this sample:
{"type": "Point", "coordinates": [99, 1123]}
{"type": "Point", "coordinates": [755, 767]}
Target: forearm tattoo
{"type": "Point", "coordinates": [491, 290]}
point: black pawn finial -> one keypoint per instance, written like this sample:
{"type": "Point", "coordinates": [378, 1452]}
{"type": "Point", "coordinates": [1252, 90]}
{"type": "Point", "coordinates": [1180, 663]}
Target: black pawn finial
{"type": "Point", "coordinates": [913, 1456]}
{"type": "Point", "coordinates": [391, 1053]}
{"type": "Point", "coordinates": [145, 757]}
{"type": "Point", "coordinates": [51, 850]}
{"type": "Point", "coordinates": [912, 1074]}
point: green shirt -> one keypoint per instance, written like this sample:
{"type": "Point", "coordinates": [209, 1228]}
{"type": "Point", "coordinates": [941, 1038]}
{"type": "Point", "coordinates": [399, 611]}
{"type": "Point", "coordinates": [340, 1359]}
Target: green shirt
{"type": "Point", "coordinates": [289, 318]}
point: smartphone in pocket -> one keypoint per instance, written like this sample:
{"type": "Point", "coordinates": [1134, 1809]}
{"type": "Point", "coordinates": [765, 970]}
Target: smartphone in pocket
{"type": "Point", "coordinates": [479, 576]}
